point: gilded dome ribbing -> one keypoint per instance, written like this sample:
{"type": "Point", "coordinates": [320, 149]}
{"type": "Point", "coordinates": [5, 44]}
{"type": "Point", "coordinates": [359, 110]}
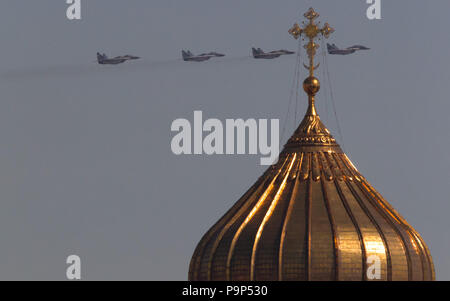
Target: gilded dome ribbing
{"type": "Point", "coordinates": [311, 216]}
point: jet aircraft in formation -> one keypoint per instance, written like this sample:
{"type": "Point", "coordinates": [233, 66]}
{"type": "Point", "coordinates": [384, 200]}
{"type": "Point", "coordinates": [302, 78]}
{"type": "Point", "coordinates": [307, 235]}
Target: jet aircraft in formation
{"type": "Point", "coordinates": [260, 54]}
{"type": "Point", "coordinates": [103, 59]}
{"type": "Point", "coordinates": [188, 56]}
{"type": "Point", "coordinates": [333, 49]}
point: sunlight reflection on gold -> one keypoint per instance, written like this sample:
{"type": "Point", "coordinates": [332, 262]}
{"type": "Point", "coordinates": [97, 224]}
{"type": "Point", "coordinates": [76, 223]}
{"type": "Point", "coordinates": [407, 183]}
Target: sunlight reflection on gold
{"type": "Point", "coordinates": [267, 216]}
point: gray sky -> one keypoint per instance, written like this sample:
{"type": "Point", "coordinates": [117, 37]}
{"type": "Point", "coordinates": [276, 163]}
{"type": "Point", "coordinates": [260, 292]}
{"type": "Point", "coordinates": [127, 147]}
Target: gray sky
{"type": "Point", "coordinates": [85, 160]}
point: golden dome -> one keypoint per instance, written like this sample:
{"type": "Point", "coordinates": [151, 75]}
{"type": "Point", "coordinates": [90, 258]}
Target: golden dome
{"type": "Point", "coordinates": [311, 216]}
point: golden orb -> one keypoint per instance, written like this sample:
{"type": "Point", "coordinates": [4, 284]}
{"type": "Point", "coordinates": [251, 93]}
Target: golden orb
{"type": "Point", "coordinates": [311, 85]}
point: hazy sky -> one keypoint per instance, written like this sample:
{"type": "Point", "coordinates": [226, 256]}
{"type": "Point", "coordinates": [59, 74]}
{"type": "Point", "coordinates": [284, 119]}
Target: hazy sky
{"type": "Point", "coordinates": [85, 160]}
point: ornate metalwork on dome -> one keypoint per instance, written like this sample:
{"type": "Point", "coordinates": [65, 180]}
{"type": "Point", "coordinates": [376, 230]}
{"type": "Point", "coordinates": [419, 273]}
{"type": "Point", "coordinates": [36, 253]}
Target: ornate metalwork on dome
{"type": "Point", "coordinates": [311, 216]}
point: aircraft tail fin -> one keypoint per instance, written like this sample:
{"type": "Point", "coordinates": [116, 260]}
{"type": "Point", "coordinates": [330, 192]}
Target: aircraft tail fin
{"type": "Point", "coordinates": [185, 54]}
{"type": "Point", "coordinates": [257, 51]}
{"type": "Point", "coordinates": [331, 47]}
{"type": "Point", "coordinates": [101, 57]}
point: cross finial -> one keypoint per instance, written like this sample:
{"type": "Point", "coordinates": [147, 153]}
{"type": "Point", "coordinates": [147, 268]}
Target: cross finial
{"type": "Point", "coordinates": [311, 30]}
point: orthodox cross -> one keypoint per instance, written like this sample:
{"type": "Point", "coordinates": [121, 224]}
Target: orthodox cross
{"type": "Point", "coordinates": [311, 30]}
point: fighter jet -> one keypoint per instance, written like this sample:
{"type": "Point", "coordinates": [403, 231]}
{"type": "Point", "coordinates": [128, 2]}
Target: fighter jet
{"type": "Point", "coordinates": [189, 56]}
{"type": "Point", "coordinates": [103, 59]}
{"type": "Point", "coordinates": [213, 54]}
{"type": "Point", "coordinates": [128, 57]}
{"type": "Point", "coordinates": [333, 49]}
{"type": "Point", "coordinates": [260, 54]}
{"type": "Point", "coordinates": [358, 47]}
{"type": "Point", "coordinates": [282, 51]}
